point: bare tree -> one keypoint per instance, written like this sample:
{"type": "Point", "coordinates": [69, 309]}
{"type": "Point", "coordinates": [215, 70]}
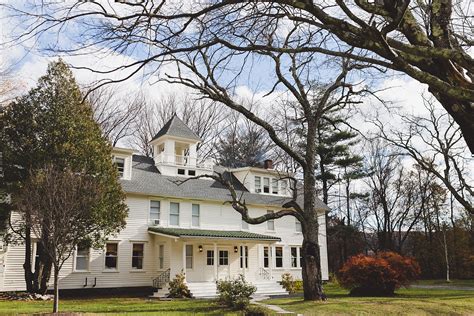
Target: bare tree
{"type": "Point", "coordinates": [427, 40]}
{"type": "Point", "coordinates": [203, 117]}
{"type": "Point", "coordinates": [117, 116]}
{"type": "Point", "coordinates": [59, 207]}
{"type": "Point", "coordinates": [436, 144]}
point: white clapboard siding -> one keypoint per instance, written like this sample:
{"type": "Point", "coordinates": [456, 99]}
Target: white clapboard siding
{"type": "Point", "coordinates": [213, 215]}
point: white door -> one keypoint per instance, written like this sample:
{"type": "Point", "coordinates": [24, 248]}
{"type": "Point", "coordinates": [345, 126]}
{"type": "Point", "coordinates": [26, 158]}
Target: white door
{"type": "Point", "coordinates": [223, 261]}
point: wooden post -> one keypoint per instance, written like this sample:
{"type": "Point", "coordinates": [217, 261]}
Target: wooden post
{"type": "Point", "coordinates": [215, 262]}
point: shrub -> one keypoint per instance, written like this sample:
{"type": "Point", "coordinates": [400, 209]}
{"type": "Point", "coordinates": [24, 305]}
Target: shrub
{"type": "Point", "coordinates": [288, 283]}
{"type": "Point", "coordinates": [256, 310]}
{"type": "Point", "coordinates": [178, 288]}
{"type": "Point", "coordinates": [378, 275]}
{"type": "Point", "coordinates": [235, 293]}
{"type": "Point", "coordinates": [298, 285]}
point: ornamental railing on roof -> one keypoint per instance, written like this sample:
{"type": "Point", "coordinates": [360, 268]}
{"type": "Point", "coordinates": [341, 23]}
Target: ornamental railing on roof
{"type": "Point", "coordinates": [181, 160]}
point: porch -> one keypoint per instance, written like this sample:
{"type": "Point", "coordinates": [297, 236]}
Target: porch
{"type": "Point", "coordinates": [206, 256]}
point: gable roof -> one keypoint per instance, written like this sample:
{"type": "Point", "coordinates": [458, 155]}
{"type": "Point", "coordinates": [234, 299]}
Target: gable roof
{"type": "Point", "coordinates": [206, 233]}
{"type": "Point", "coordinates": [146, 179]}
{"type": "Point", "coordinates": [176, 127]}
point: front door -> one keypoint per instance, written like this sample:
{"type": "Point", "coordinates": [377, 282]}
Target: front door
{"type": "Point", "coordinates": [223, 261]}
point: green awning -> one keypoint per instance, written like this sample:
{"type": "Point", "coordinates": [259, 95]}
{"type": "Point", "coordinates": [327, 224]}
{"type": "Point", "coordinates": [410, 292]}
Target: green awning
{"type": "Point", "coordinates": [205, 233]}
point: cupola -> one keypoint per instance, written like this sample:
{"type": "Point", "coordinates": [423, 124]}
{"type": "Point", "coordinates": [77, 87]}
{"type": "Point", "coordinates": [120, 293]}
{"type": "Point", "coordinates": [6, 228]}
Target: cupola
{"type": "Point", "coordinates": [175, 150]}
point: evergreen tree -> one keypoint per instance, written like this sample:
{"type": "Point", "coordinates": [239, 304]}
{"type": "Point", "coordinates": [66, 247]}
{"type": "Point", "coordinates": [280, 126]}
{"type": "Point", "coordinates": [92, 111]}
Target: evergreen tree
{"type": "Point", "coordinates": [242, 146]}
{"type": "Point", "coordinates": [52, 125]}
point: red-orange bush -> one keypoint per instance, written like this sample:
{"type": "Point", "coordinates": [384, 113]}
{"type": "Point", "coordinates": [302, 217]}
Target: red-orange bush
{"type": "Point", "coordinates": [381, 274]}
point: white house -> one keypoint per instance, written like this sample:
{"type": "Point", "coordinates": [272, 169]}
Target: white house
{"type": "Point", "coordinates": [174, 226]}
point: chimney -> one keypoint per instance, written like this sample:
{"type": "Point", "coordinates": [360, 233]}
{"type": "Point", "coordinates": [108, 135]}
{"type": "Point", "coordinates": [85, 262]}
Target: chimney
{"type": "Point", "coordinates": [268, 164]}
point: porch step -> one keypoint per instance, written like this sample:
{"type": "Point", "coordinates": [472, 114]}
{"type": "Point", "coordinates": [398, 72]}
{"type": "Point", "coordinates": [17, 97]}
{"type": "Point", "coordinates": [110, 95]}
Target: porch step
{"type": "Point", "coordinates": [269, 288]}
{"type": "Point", "coordinates": [202, 289]}
{"type": "Point", "coordinates": [209, 289]}
{"type": "Point", "coordinates": [163, 292]}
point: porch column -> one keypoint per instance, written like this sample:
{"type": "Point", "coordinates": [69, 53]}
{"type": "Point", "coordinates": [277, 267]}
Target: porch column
{"type": "Point", "coordinates": [270, 259]}
{"type": "Point", "coordinates": [243, 258]}
{"type": "Point", "coordinates": [184, 260]}
{"type": "Point", "coordinates": [215, 261]}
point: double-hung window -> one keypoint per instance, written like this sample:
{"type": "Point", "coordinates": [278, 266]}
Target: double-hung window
{"type": "Point", "coordinates": [266, 257]}
{"type": "Point", "coordinates": [279, 257]}
{"type": "Point", "coordinates": [294, 257]}
{"type": "Point", "coordinates": [258, 184]}
{"type": "Point", "coordinates": [195, 215]}
{"type": "Point", "coordinates": [270, 222]}
{"type": "Point", "coordinates": [111, 255]}
{"type": "Point", "coordinates": [274, 186]}
{"type": "Point", "coordinates": [120, 164]}
{"type": "Point", "coordinates": [174, 214]}
{"type": "Point", "coordinates": [266, 185]}
{"type": "Point", "coordinates": [137, 256]}
{"type": "Point", "coordinates": [155, 212]}
{"type": "Point", "coordinates": [298, 226]}
{"type": "Point", "coordinates": [284, 187]}
{"type": "Point", "coordinates": [189, 256]}
{"type": "Point", "coordinates": [82, 258]}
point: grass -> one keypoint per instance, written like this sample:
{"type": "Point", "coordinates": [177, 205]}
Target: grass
{"type": "Point", "coordinates": [469, 283]}
{"type": "Point", "coordinates": [122, 306]}
{"type": "Point", "coordinates": [410, 301]}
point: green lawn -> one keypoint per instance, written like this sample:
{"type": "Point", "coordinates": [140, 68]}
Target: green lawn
{"type": "Point", "coordinates": [469, 283]}
{"type": "Point", "coordinates": [405, 302]}
{"type": "Point", "coordinates": [123, 306]}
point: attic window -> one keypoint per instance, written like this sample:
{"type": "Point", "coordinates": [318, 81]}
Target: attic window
{"type": "Point", "coordinates": [181, 171]}
{"type": "Point", "coordinates": [120, 163]}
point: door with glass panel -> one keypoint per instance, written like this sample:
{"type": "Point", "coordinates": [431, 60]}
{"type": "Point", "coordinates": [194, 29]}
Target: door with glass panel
{"type": "Point", "coordinates": [223, 263]}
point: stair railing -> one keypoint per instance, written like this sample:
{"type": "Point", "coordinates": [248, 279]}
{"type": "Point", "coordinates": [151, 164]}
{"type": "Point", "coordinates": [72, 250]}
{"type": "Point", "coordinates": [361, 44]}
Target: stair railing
{"type": "Point", "coordinates": [264, 274]}
{"type": "Point", "coordinates": [161, 279]}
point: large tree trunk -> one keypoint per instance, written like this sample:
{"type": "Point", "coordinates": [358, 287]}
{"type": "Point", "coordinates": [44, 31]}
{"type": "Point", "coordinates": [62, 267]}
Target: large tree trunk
{"type": "Point", "coordinates": [29, 277]}
{"type": "Point", "coordinates": [311, 269]}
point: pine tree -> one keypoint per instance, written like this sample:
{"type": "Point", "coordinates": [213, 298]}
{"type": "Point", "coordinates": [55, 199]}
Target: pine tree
{"type": "Point", "coordinates": [53, 125]}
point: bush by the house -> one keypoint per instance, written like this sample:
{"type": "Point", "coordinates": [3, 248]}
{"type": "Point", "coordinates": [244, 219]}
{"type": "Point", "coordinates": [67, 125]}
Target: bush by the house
{"type": "Point", "coordinates": [235, 293]}
{"type": "Point", "coordinates": [178, 288]}
{"type": "Point", "coordinates": [288, 283]}
{"type": "Point", "coordinates": [378, 275]}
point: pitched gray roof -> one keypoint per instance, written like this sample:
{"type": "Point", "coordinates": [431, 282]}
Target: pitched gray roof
{"type": "Point", "coordinates": [146, 179]}
{"type": "Point", "coordinates": [176, 127]}
{"type": "Point", "coordinates": [206, 233]}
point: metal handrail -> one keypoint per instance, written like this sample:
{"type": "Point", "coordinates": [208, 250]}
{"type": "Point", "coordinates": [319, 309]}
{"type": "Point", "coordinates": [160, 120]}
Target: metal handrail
{"type": "Point", "coordinates": [162, 279]}
{"type": "Point", "coordinates": [264, 274]}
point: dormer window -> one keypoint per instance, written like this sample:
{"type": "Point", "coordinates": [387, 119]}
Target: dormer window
{"type": "Point", "coordinates": [258, 184]}
{"type": "Point", "coordinates": [266, 185]}
{"type": "Point", "coordinates": [120, 164]}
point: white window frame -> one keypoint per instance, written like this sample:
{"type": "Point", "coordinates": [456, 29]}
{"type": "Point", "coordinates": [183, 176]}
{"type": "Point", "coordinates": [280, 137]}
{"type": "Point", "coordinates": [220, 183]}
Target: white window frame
{"type": "Point", "coordinates": [283, 187]}
{"type": "Point", "coordinates": [270, 222]}
{"type": "Point", "coordinates": [243, 249]}
{"type": "Point", "coordinates": [268, 256]}
{"type": "Point", "coordinates": [161, 256]}
{"type": "Point", "coordinates": [274, 186]}
{"type": "Point", "coordinates": [213, 257]}
{"type": "Point", "coordinates": [117, 256]}
{"type": "Point", "coordinates": [76, 255]}
{"type": "Point", "coordinates": [171, 214]}
{"type": "Point", "coordinates": [258, 188]}
{"type": "Point", "coordinates": [296, 257]}
{"type": "Point", "coordinates": [189, 256]}
{"type": "Point", "coordinates": [269, 185]}
{"type": "Point", "coordinates": [193, 216]}
{"type": "Point", "coordinates": [282, 257]}
{"type": "Point", "coordinates": [224, 257]}
{"type": "Point", "coordinates": [298, 226]}
{"type": "Point", "coordinates": [121, 173]}
{"type": "Point", "coordinates": [143, 257]}
{"type": "Point", "coordinates": [153, 221]}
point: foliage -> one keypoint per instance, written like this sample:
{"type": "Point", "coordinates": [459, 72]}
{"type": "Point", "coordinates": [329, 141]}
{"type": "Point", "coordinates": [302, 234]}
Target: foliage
{"type": "Point", "coordinates": [288, 283]}
{"type": "Point", "coordinates": [235, 293]}
{"type": "Point", "coordinates": [256, 310]}
{"type": "Point", "coordinates": [178, 288]}
{"type": "Point", "coordinates": [52, 125]}
{"type": "Point", "coordinates": [378, 275]}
